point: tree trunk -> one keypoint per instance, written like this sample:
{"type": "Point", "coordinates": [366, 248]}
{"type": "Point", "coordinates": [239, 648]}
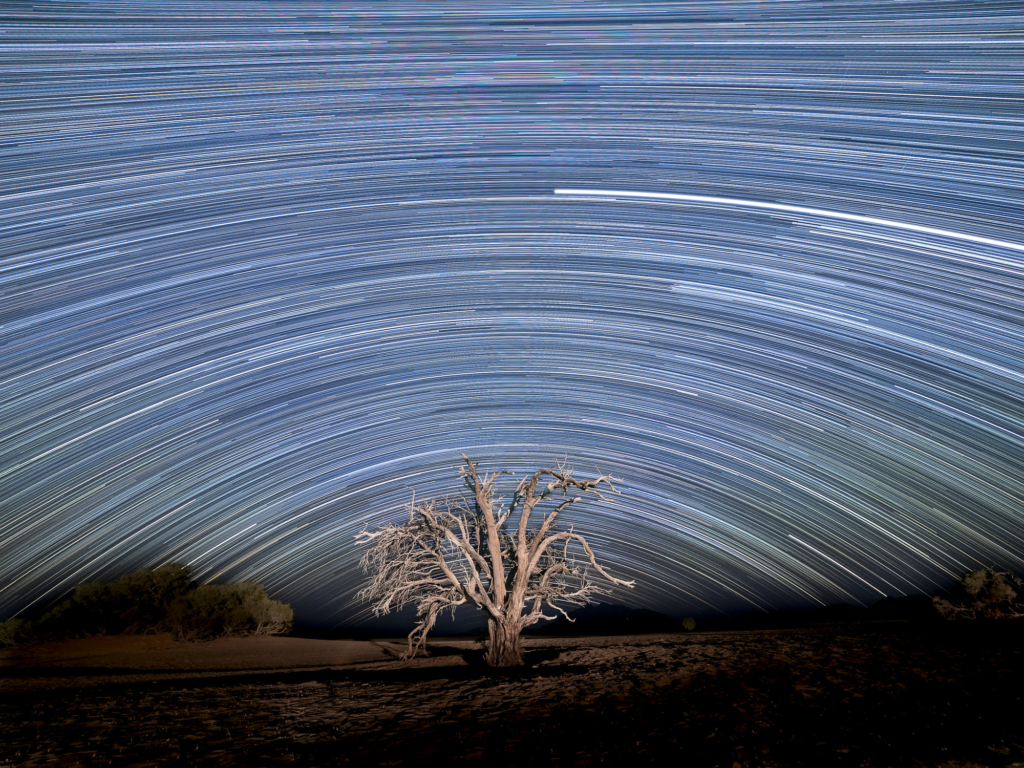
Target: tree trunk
{"type": "Point", "coordinates": [506, 646]}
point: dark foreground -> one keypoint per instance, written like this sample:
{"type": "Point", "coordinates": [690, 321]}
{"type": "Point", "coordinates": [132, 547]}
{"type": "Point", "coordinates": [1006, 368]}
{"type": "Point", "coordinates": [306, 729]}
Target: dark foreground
{"type": "Point", "coordinates": [892, 694]}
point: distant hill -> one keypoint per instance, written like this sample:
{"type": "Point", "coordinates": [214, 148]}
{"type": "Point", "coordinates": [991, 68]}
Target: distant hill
{"type": "Point", "coordinates": [607, 619]}
{"type": "Point", "coordinates": [910, 608]}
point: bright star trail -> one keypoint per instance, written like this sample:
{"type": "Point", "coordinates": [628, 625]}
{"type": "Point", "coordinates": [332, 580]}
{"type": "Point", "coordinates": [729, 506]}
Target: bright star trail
{"type": "Point", "coordinates": [268, 268]}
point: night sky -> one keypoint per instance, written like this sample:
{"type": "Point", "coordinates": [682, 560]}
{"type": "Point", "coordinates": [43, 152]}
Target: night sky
{"type": "Point", "coordinates": [267, 268]}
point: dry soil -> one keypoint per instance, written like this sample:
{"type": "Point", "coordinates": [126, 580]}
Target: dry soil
{"type": "Point", "coordinates": [885, 694]}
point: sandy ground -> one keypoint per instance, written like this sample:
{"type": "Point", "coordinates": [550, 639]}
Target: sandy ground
{"type": "Point", "coordinates": [100, 660]}
{"type": "Point", "coordinates": [892, 694]}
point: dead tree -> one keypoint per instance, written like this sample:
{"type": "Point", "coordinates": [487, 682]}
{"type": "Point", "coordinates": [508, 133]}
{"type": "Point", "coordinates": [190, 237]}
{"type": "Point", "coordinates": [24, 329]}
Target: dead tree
{"type": "Point", "coordinates": [454, 552]}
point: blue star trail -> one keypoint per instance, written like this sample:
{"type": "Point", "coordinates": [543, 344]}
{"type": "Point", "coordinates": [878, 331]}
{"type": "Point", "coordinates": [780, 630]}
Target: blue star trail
{"type": "Point", "coordinates": [266, 269]}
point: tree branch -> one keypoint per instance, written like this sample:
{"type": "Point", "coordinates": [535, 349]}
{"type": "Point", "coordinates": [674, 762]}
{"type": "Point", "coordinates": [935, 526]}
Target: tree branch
{"type": "Point", "coordinates": [569, 535]}
{"type": "Point", "coordinates": [483, 495]}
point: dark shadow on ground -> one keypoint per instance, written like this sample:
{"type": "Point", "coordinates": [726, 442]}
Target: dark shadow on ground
{"type": "Point", "coordinates": [476, 671]}
{"type": "Point", "coordinates": [475, 657]}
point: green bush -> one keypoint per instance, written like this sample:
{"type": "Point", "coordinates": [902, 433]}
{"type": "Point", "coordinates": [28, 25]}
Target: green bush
{"type": "Point", "coordinates": [13, 632]}
{"type": "Point", "coordinates": [164, 599]}
{"type": "Point", "coordinates": [220, 610]}
{"type": "Point", "coordinates": [689, 624]}
{"type": "Point", "coordinates": [137, 603]}
{"type": "Point", "coordinates": [983, 594]}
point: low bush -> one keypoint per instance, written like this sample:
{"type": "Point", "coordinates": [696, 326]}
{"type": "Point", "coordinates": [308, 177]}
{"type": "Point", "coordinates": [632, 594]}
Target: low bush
{"type": "Point", "coordinates": [983, 594]}
{"type": "Point", "coordinates": [164, 599]}
{"type": "Point", "coordinates": [137, 603]}
{"type": "Point", "coordinates": [221, 610]}
{"type": "Point", "coordinates": [13, 632]}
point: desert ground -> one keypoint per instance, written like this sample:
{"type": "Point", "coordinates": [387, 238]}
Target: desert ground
{"type": "Point", "coordinates": [879, 694]}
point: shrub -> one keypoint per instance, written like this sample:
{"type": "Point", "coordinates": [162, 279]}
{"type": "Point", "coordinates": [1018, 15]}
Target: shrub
{"type": "Point", "coordinates": [13, 632]}
{"type": "Point", "coordinates": [689, 623]}
{"type": "Point", "coordinates": [984, 593]}
{"type": "Point", "coordinates": [219, 610]}
{"type": "Point", "coordinates": [164, 599]}
{"type": "Point", "coordinates": [136, 603]}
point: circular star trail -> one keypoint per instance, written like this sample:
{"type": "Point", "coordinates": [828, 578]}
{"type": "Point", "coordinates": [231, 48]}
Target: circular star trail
{"type": "Point", "coordinates": [268, 268]}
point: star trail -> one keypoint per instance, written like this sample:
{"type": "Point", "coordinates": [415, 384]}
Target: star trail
{"type": "Point", "coordinates": [267, 268]}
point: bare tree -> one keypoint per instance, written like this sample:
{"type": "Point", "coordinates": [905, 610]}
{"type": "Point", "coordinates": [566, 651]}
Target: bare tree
{"type": "Point", "coordinates": [453, 552]}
